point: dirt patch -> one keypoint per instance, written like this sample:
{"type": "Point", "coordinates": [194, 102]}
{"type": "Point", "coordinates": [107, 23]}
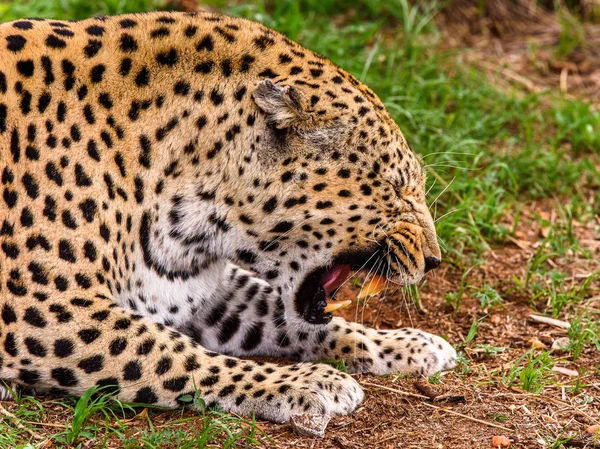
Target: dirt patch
{"type": "Point", "coordinates": [524, 46]}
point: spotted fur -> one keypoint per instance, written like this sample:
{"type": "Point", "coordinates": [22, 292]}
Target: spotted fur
{"type": "Point", "coordinates": [144, 160]}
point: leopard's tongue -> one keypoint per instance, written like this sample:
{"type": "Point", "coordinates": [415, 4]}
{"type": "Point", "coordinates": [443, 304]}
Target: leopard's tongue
{"type": "Point", "coordinates": [335, 277]}
{"type": "Point", "coordinates": [331, 281]}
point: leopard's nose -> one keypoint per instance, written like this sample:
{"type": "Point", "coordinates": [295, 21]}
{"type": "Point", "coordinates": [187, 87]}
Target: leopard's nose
{"type": "Point", "coordinates": [431, 263]}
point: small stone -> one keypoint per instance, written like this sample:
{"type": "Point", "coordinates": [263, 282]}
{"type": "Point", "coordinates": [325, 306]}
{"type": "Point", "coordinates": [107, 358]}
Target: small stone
{"type": "Point", "coordinates": [310, 425]}
{"type": "Point", "coordinates": [560, 344]}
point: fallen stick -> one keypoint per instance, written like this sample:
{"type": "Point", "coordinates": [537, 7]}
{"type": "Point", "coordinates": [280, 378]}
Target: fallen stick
{"type": "Point", "coordinates": [565, 371]}
{"type": "Point", "coordinates": [470, 418]}
{"type": "Point", "coordinates": [435, 397]}
{"type": "Point", "coordinates": [405, 393]}
{"type": "Point", "coordinates": [550, 321]}
{"type": "Point", "coordinates": [452, 412]}
{"type": "Point", "coordinates": [425, 389]}
{"type": "Point", "coordinates": [587, 444]}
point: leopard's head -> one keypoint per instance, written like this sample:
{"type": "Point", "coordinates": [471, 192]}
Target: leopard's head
{"type": "Point", "coordinates": [337, 189]}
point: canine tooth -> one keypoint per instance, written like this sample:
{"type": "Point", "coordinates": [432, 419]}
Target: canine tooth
{"type": "Point", "coordinates": [372, 287]}
{"type": "Point", "coordinates": [332, 306]}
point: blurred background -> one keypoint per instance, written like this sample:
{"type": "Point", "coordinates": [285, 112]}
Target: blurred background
{"type": "Point", "coordinates": [500, 99]}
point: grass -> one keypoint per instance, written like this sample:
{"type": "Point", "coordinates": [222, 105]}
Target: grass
{"type": "Point", "coordinates": [532, 372]}
{"type": "Point", "coordinates": [581, 332]}
{"type": "Point", "coordinates": [74, 9]}
{"type": "Point", "coordinates": [490, 155]}
{"type": "Point", "coordinates": [488, 296]}
{"type": "Point", "coordinates": [102, 419]}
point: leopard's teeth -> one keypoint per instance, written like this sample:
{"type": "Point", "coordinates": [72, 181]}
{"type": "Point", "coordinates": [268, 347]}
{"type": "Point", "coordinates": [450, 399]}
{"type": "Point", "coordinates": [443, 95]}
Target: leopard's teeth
{"type": "Point", "coordinates": [332, 305]}
{"type": "Point", "coordinates": [374, 286]}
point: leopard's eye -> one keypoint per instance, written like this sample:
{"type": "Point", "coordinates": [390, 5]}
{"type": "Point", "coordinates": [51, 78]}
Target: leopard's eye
{"type": "Point", "coordinates": [409, 203]}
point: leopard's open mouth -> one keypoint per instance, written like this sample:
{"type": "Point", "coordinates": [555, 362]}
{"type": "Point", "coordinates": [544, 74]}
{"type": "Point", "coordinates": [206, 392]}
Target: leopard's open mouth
{"type": "Point", "coordinates": [316, 297]}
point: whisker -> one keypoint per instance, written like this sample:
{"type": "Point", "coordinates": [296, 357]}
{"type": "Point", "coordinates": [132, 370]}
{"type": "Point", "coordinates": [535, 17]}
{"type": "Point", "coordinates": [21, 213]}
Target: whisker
{"type": "Point", "coordinates": [448, 152]}
{"type": "Point", "coordinates": [448, 213]}
{"type": "Point", "coordinates": [383, 297]}
{"type": "Point", "coordinates": [453, 166]}
{"type": "Point", "coordinates": [379, 262]}
{"type": "Point", "coordinates": [445, 163]}
{"type": "Point", "coordinates": [405, 250]}
{"type": "Point", "coordinates": [431, 187]}
{"type": "Point", "coordinates": [363, 286]}
{"type": "Point", "coordinates": [405, 292]}
{"type": "Point", "coordinates": [442, 192]}
{"type": "Point", "coordinates": [442, 243]}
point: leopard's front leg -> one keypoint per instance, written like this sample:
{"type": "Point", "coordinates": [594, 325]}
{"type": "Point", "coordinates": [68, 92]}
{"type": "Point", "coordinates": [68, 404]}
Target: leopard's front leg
{"type": "Point", "coordinates": [248, 317]}
{"type": "Point", "coordinates": [367, 350]}
{"type": "Point", "coordinates": [146, 362]}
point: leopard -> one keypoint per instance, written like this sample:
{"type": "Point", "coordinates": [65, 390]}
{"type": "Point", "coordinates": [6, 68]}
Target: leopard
{"type": "Point", "coordinates": [183, 194]}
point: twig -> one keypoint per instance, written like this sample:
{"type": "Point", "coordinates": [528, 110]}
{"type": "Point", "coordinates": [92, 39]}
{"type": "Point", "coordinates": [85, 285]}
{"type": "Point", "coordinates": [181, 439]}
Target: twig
{"type": "Point", "coordinates": [550, 321]}
{"type": "Point", "coordinates": [565, 371]}
{"type": "Point", "coordinates": [388, 438]}
{"type": "Point", "coordinates": [518, 243]}
{"type": "Point", "coordinates": [557, 402]}
{"type": "Point", "coordinates": [529, 85]}
{"type": "Point", "coordinates": [575, 443]}
{"type": "Point", "coordinates": [426, 390]}
{"type": "Point", "coordinates": [405, 393]}
{"type": "Point", "coordinates": [470, 418]}
{"type": "Point", "coordinates": [452, 412]}
{"type": "Point", "coordinates": [564, 73]}
{"type": "Point", "coordinates": [45, 424]}
{"type": "Point", "coordinates": [436, 397]}
{"type": "Point", "coordinates": [514, 76]}
{"type": "Point", "coordinates": [339, 443]}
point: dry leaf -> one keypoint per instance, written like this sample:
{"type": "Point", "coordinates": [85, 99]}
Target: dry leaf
{"type": "Point", "coordinates": [593, 429]}
{"type": "Point", "coordinates": [500, 441]}
{"type": "Point", "coordinates": [536, 343]}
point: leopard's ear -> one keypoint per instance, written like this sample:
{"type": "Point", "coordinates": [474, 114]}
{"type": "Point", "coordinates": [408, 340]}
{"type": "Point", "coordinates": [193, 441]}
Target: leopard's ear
{"type": "Point", "coordinates": [284, 105]}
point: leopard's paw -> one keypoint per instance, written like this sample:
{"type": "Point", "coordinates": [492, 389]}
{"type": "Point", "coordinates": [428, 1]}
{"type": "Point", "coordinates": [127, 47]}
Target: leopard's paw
{"type": "Point", "coordinates": [403, 350]}
{"type": "Point", "coordinates": [302, 388]}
